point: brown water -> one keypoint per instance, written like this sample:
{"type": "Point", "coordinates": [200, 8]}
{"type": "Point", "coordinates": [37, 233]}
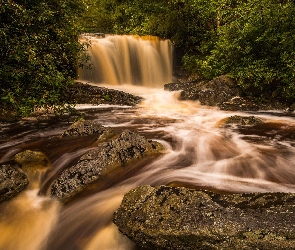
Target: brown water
{"type": "Point", "coordinates": [202, 152]}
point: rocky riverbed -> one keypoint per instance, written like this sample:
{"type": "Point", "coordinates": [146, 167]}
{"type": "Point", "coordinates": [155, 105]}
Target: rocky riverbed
{"type": "Point", "coordinates": [163, 217]}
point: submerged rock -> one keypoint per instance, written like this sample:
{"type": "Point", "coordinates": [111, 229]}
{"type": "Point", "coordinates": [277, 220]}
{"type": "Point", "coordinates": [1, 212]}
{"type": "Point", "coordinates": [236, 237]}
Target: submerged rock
{"type": "Point", "coordinates": [243, 120]}
{"type": "Point", "coordinates": [12, 181]}
{"type": "Point", "coordinates": [179, 218]}
{"type": "Point", "coordinates": [87, 127]}
{"type": "Point", "coordinates": [32, 160]}
{"type": "Point", "coordinates": [99, 162]}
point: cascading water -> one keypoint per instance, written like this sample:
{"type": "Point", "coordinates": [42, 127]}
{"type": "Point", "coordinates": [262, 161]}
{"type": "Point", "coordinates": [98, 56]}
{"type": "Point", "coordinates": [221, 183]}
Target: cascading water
{"type": "Point", "coordinates": [202, 152]}
{"type": "Point", "coordinates": [126, 59]}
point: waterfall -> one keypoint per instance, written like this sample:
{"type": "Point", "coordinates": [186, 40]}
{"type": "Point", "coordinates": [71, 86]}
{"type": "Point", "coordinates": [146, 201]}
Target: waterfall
{"type": "Point", "coordinates": [115, 60]}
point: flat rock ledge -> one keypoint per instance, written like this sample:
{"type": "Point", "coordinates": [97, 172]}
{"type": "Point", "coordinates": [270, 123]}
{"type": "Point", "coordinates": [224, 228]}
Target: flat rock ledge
{"type": "Point", "coordinates": [12, 181]}
{"type": "Point", "coordinates": [160, 218]}
{"type": "Point", "coordinates": [82, 93]}
{"type": "Point", "coordinates": [102, 160]}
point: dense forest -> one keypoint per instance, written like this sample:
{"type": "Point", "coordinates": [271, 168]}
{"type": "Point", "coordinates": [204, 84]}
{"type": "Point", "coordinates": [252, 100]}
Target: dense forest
{"type": "Point", "coordinates": [252, 41]}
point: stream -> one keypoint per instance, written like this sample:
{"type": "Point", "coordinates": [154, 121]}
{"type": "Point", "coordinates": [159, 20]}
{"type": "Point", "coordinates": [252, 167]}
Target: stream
{"type": "Point", "coordinates": [202, 152]}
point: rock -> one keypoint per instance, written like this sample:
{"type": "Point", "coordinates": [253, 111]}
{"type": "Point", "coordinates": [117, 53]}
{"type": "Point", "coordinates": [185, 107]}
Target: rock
{"type": "Point", "coordinates": [179, 218]}
{"type": "Point", "coordinates": [242, 120]}
{"type": "Point", "coordinates": [82, 93]}
{"type": "Point", "coordinates": [220, 89]}
{"type": "Point", "coordinates": [239, 104]}
{"type": "Point", "coordinates": [32, 160]}
{"type": "Point", "coordinates": [101, 161]}
{"type": "Point", "coordinates": [87, 127]}
{"type": "Point", "coordinates": [211, 93]}
{"type": "Point", "coordinates": [12, 181]}
{"type": "Point", "coordinates": [189, 90]}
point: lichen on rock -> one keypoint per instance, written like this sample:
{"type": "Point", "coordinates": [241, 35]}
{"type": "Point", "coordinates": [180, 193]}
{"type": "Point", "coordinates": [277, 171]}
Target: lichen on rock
{"type": "Point", "coordinates": [243, 120]}
{"type": "Point", "coordinates": [88, 127]}
{"type": "Point", "coordinates": [12, 181]}
{"type": "Point", "coordinates": [164, 217]}
{"type": "Point", "coordinates": [98, 162]}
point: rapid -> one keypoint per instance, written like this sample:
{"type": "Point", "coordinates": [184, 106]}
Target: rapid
{"type": "Point", "coordinates": [202, 152]}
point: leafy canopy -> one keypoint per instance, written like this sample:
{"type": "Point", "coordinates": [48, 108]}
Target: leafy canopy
{"type": "Point", "coordinates": [251, 40]}
{"type": "Point", "coordinates": [39, 52]}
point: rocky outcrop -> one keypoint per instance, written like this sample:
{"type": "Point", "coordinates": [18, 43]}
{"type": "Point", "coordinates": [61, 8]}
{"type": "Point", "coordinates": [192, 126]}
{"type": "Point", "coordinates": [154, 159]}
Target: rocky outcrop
{"type": "Point", "coordinates": [12, 181]}
{"type": "Point", "coordinates": [214, 92]}
{"type": "Point", "coordinates": [243, 120]}
{"type": "Point", "coordinates": [224, 93]}
{"type": "Point", "coordinates": [98, 162]}
{"type": "Point", "coordinates": [219, 90]}
{"type": "Point", "coordinates": [88, 127]}
{"type": "Point", "coordinates": [179, 218]}
{"type": "Point", "coordinates": [81, 93]}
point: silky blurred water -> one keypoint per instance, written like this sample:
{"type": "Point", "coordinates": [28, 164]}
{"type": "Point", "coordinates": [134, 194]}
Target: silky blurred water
{"type": "Point", "coordinates": [202, 152]}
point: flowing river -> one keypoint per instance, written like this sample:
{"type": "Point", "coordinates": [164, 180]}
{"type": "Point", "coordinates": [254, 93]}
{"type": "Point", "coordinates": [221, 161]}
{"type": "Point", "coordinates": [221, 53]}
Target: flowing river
{"type": "Point", "coordinates": [202, 152]}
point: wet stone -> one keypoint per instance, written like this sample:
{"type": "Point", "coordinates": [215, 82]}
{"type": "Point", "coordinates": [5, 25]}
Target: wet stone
{"type": "Point", "coordinates": [180, 218]}
{"type": "Point", "coordinates": [12, 181]}
{"type": "Point", "coordinates": [88, 127]}
{"type": "Point", "coordinates": [32, 160]}
{"type": "Point", "coordinates": [98, 162]}
{"type": "Point", "coordinates": [84, 93]}
{"type": "Point", "coordinates": [243, 120]}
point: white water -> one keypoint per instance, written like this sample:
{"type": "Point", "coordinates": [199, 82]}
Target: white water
{"type": "Point", "coordinates": [201, 152]}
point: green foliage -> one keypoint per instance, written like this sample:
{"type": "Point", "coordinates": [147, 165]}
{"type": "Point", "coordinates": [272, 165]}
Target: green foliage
{"type": "Point", "coordinates": [252, 41]}
{"type": "Point", "coordinates": [39, 52]}
{"type": "Point", "coordinates": [256, 46]}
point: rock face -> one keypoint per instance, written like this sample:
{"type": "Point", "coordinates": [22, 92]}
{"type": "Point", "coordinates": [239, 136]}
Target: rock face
{"type": "Point", "coordinates": [101, 161]}
{"type": "Point", "coordinates": [84, 93]}
{"type": "Point", "coordinates": [87, 127]}
{"type": "Point", "coordinates": [12, 181]}
{"type": "Point", "coordinates": [180, 218]}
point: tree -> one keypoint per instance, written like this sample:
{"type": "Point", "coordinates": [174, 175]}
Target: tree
{"type": "Point", "coordinates": [256, 46]}
{"type": "Point", "coordinates": [39, 52]}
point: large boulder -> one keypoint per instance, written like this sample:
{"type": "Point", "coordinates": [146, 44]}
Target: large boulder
{"type": "Point", "coordinates": [100, 161]}
{"type": "Point", "coordinates": [219, 90]}
{"type": "Point", "coordinates": [12, 181]}
{"type": "Point", "coordinates": [179, 218]}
